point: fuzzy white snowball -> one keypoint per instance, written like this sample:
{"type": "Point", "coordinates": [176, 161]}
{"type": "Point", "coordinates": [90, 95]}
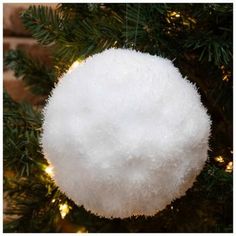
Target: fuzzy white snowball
{"type": "Point", "coordinates": [125, 133]}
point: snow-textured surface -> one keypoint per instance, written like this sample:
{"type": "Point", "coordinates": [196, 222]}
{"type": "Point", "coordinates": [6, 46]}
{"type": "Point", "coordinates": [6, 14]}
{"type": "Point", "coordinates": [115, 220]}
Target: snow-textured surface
{"type": "Point", "coordinates": [125, 133]}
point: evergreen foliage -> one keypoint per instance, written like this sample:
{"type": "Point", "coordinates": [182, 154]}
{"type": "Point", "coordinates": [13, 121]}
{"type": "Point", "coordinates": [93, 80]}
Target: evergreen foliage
{"type": "Point", "coordinates": [21, 130]}
{"type": "Point", "coordinates": [198, 37]}
{"type": "Point", "coordinates": [38, 77]}
{"type": "Point", "coordinates": [44, 23]}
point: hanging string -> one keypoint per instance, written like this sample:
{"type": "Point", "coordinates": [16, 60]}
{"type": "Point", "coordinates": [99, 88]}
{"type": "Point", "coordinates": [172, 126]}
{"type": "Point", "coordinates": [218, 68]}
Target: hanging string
{"type": "Point", "coordinates": [126, 24]}
{"type": "Point", "coordinates": [136, 28]}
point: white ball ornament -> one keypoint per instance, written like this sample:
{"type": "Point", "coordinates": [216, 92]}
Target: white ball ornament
{"type": "Point", "coordinates": [125, 133]}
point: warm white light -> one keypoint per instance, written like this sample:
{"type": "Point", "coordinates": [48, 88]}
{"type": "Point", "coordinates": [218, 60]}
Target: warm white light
{"type": "Point", "coordinates": [219, 159]}
{"type": "Point", "coordinates": [49, 171]}
{"type": "Point", "coordinates": [229, 167]}
{"type": "Point", "coordinates": [64, 210]}
{"type": "Point", "coordinates": [74, 65]}
{"type": "Point", "coordinates": [82, 230]}
{"type": "Point", "coordinates": [174, 14]}
{"type": "Point", "coordinates": [225, 78]}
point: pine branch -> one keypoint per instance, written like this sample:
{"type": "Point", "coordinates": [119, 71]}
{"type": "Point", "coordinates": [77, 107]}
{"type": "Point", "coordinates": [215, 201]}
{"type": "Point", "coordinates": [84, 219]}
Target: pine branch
{"type": "Point", "coordinates": [29, 190]}
{"type": "Point", "coordinates": [21, 130]}
{"type": "Point", "coordinates": [88, 36]}
{"type": "Point", "coordinates": [44, 23]}
{"type": "Point", "coordinates": [39, 78]}
{"type": "Point", "coordinates": [211, 48]}
{"type": "Point", "coordinates": [31, 200]}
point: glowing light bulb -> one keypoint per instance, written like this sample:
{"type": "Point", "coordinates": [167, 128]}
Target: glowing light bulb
{"type": "Point", "coordinates": [219, 159]}
{"type": "Point", "coordinates": [82, 230]}
{"type": "Point", "coordinates": [229, 167]}
{"type": "Point", "coordinates": [173, 13]}
{"type": "Point", "coordinates": [225, 78]}
{"type": "Point", "coordinates": [49, 171]}
{"type": "Point", "coordinates": [74, 65]}
{"type": "Point", "coordinates": [64, 209]}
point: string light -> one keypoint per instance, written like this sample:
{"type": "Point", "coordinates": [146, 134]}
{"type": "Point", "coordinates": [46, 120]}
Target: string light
{"type": "Point", "coordinates": [82, 230]}
{"type": "Point", "coordinates": [219, 159]}
{"type": "Point", "coordinates": [226, 74]}
{"type": "Point", "coordinates": [49, 171]}
{"type": "Point", "coordinates": [225, 78]}
{"type": "Point", "coordinates": [186, 21]}
{"type": "Point", "coordinates": [174, 13]}
{"type": "Point", "coordinates": [64, 209]}
{"type": "Point", "coordinates": [229, 167]}
{"type": "Point", "coordinates": [74, 65]}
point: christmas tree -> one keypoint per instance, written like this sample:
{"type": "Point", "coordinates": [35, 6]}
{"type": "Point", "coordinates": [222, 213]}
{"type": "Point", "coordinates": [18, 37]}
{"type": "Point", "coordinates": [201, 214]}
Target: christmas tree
{"type": "Point", "coordinates": [197, 37]}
